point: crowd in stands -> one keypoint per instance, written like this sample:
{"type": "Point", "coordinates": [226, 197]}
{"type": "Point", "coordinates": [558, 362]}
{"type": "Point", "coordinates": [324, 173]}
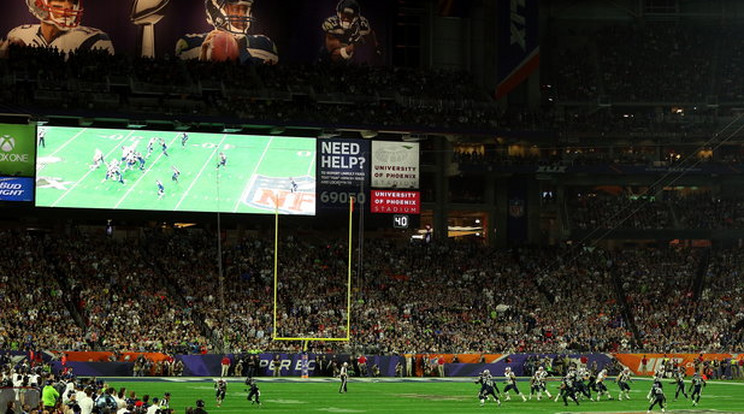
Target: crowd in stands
{"type": "Point", "coordinates": [590, 209]}
{"type": "Point", "coordinates": [284, 94]}
{"type": "Point", "coordinates": [622, 63]}
{"type": "Point", "coordinates": [597, 210]}
{"type": "Point", "coordinates": [406, 299]}
{"type": "Point", "coordinates": [645, 62]}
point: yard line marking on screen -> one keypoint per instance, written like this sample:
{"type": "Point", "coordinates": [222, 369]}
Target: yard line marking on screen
{"type": "Point", "coordinates": [74, 137]}
{"type": "Point", "coordinates": [253, 174]}
{"type": "Point", "coordinates": [208, 162]}
{"type": "Point", "coordinates": [124, 197]}
{"type": "Point", "coordinates": [87, 174]}
{"type": "Point", "coordinates": [310, 167]}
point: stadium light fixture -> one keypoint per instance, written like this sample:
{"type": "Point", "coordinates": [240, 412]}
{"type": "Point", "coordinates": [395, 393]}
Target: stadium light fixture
{"type": "Point", "coordinates": [136, 124]}
{"type": "Point", "coordinates": [232, 129]}
{"type": "Point", "coordinates": [328, 133]}
{"type": "Point", "coordinates": [368, 133]}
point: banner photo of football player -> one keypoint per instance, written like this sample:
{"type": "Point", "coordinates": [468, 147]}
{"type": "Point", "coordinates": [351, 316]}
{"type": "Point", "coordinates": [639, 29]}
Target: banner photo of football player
{"type": "Point", "coordinates": [249, 31]}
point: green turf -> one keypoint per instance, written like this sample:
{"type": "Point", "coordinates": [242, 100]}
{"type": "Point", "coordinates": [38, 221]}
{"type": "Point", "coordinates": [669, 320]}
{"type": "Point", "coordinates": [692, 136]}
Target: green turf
{"type": "Point", "coordinates": [256, 166]}
{"type": "Point", "coordinates": [417, 397]}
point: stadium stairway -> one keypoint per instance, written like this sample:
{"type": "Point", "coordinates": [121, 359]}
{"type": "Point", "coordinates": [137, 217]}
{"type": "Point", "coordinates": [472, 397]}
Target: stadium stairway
{"type": "Point", "coordinates": [700, 272]}
{"type": "Point", "coordinates": [620, 296]}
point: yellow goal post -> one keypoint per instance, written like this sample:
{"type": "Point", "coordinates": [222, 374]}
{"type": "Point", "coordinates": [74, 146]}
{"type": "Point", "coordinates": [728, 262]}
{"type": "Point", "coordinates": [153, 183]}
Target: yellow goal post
{"type": "Point", "coordinates": [305, 340]}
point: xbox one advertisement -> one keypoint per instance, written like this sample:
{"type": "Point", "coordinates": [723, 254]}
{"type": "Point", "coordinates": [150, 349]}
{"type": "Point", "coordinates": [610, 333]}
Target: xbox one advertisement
{"type": "Point", "coordinates": [17, 150]}
{"type": "Point", "coordinates": [17, 162]}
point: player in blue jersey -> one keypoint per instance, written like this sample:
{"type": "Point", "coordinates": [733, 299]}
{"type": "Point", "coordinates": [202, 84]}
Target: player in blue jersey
{"type": "Point", "coordinates": [161, 189]}
{"type": "Point", "coordinates": [114, 172]}
{"type": "Point", "coordinates": [234, 17]}
{"type": "Point", "coordinates": [184, 139]}
{"type": "Point", "coordinates": [254, 394]}
{"type": "Point", "coordinates": [176, 173]}
{"type": "Point", "coordinates": [292, 185]}
{"type": "Point", "coordinates": [623, 381]}
{"type": "Point", "coordinates": [141, 159]}
{"type": "Point", "coordinates": [657, 396]}
{"type": "Point", "coordinates": [164, 147]}
{"type": "Point", "coordinates": [131, 162]}
{"type": "Point", "coordinates": [679, 381]}
{"type": "Point", "coordinates": [696, 388]}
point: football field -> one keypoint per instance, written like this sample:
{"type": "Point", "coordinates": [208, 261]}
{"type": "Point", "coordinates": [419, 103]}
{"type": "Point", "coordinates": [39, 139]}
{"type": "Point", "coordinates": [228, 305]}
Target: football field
{"type": "Point", "coordinates": [260, 171]}
{"type": "Point", "coordinates": [427, 396]}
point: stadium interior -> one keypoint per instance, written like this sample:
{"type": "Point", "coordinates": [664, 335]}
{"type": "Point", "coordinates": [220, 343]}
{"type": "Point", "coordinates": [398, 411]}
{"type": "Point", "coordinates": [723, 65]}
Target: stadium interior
{"type": "Point", "coordinates": [588, 199]}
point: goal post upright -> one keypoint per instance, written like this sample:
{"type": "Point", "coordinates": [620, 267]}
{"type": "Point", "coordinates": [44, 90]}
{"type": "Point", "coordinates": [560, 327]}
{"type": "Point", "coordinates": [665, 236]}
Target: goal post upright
{"type": "Point", "coordinates": [348, 282]}
{"type": "Point", "coordinates": [276, 257]}
{"type": "Point", "coordinates": [306, 340]}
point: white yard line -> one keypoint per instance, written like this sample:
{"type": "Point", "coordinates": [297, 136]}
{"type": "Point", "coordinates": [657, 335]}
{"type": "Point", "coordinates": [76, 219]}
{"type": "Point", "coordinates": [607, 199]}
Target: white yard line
{"type": "Point", "coordinates": [88, 173]}
{"type": "Point", "coordinates": [250, 177]}
{"type": "Point", "coordinates": [144, 174]}
{"type": "Point", "coordinates": [210, 161]}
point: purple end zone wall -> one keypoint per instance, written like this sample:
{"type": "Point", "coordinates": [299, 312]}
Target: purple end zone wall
{"type": "Point", "coordinates": [290, 365]}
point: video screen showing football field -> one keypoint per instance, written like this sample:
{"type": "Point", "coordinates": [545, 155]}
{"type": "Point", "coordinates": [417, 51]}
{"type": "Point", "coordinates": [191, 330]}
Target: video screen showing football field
{"type": "Point", "coordinates": [156, 170]}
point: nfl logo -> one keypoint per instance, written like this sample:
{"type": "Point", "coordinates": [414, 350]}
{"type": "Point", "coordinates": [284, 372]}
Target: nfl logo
{"type": "Point", "coordinates": [516, 208]}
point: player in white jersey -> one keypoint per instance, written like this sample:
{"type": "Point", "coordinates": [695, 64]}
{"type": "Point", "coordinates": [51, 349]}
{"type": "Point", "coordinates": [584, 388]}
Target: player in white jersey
{"type": "Point", "coordinates": [151, 145]}
{"type": "Point", "coordinates": [97, 159]}
{"type": "Point", "coordinates": [601, 387]}
{"type": "Point", "coordinates": [511, 384]}
{"type": "Point", "coordinates": [538, 384]}
{"type": "Point", "coordinates": [344, 377]}
{"type": "Point", "coordinates": [59, 28]}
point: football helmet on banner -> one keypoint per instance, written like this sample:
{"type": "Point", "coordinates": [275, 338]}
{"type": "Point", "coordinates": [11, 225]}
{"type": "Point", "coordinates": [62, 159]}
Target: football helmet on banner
{"type": "Point", "coordinates": [348, 13]}
{"type": "Point", "coordinates": [233, 16]}
{"type": "Point", "coordinates": [65, 14]}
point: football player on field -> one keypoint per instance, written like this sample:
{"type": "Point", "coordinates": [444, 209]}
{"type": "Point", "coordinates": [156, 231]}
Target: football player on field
{"type": "Point", "coordinates": [488, 389]}
{"type": "Point", "coordinates": [234, 17]}
{"type": "Point", "coordinates": [346, 31]}
{"type": "Point", "coordinates": [696, 388]}
{"type": "Point", "coordinates": [601, 387]}
{"type": "Point", "coordinates": [537, 384]}
{"type": "Point", "coordinates": [59, 28]}
{"type": "Point", "coordinates": [623, 379]}
{"type": "Point", "coordinates": [679, 381]}
{"type": "Point", "coordinates": [511, 384]}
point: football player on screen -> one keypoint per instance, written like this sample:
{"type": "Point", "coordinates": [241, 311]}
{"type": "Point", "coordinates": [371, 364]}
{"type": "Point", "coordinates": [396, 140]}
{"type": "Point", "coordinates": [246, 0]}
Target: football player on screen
{"type": "Point", "coordinates": [59, 28]}
{"type": "Point", "coordinates": [346, 31]}
{"type": "Point", "coordinates": [232, 17]}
